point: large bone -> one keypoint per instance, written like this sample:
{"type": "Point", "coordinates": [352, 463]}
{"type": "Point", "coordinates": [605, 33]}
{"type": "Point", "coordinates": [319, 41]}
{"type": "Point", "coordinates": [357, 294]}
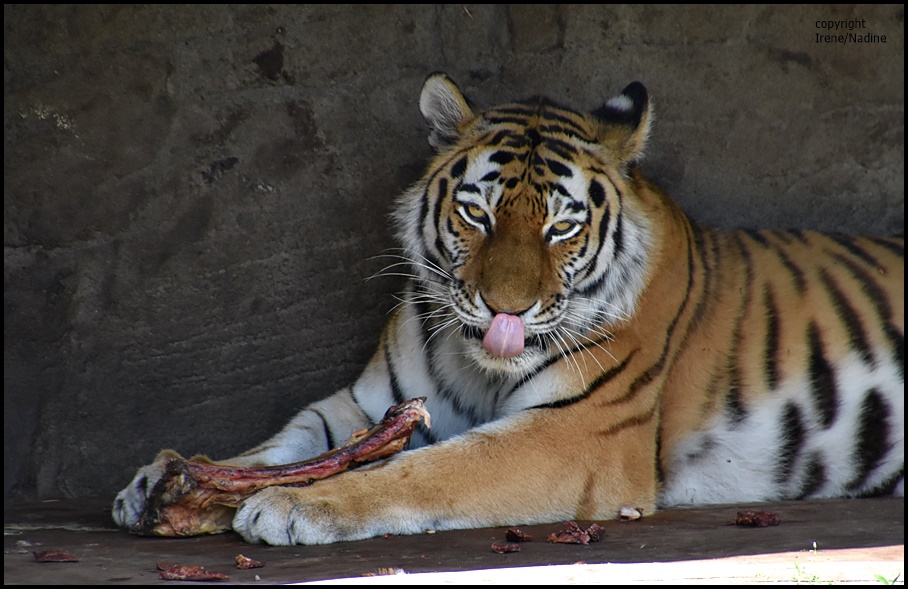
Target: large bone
{"type": "Point", "coordinates": [198, 497]}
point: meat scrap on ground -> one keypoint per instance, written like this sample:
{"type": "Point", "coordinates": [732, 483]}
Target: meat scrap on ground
{"type": "Point", "coordinates": [512, 536]}
{"type": "Point", "coordinates": [505, 547]}
{"type": "Point", "coordinates": [54, 556]}
{"type": "Point", "coordinates": [517, 535]}
{"type": "Point", "coordinates": [176, 572]}
{"type": "Point", "coordinates": [198, 497]}
{"type": "Point", "coordinates": [573, 534]}
{"type": "Point", "coordinates": [757, 519]}
{"type": "Point", "coordinates": [244, 563]}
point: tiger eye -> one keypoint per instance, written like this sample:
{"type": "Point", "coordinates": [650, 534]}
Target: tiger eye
{"type": "Point", "coordinates": [563, 226]}
{"type": "Point", "coordinates": [475, 212]}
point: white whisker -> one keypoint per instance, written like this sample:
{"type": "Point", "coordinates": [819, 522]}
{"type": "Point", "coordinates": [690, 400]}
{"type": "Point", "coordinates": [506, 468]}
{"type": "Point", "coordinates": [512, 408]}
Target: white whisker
{"type": "Point", "coordinates": [585, 348]}
{"type": "Point", "coordinates": [565, 349]}
{"type": "Point", "coordinates": [408, 261]}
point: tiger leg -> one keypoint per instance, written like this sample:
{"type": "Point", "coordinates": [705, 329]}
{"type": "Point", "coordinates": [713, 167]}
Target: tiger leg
{"type": "Point", "coordinates": [529, 468]}
{"type": "Point", "coordinates": [315, 429]}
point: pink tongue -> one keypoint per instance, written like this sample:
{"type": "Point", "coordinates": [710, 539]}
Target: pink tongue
{"type": "Point", "coordinates": [505, 336]}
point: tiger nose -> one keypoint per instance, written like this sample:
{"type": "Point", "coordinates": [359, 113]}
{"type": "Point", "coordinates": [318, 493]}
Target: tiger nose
{"type": "Point", "coordinates": [510, 307]}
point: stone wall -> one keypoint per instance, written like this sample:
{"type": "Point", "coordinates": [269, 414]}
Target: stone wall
{"type": "Point", "coordinates": [194, 196]}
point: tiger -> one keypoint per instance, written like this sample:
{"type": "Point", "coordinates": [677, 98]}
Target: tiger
{"type": "Point", "coordinates": [583, 345]}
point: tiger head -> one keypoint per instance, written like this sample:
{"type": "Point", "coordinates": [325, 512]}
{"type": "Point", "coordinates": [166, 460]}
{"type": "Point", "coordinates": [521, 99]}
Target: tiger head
{"type": "Point", "coordinates": [524, 232]}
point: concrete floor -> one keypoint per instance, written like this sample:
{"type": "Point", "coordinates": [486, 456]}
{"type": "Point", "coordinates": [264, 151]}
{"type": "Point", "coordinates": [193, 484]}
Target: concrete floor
{"type": "Point", "coordinates": [856, 540]}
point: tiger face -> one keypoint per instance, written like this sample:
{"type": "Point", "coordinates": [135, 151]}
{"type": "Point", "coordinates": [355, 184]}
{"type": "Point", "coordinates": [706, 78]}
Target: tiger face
{"type": "Point", "coordinates": [525, 232]}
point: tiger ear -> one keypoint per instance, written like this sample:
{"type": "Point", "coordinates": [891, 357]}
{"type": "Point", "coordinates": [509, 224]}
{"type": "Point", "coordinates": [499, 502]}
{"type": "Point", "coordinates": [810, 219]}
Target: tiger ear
{"type": "Point", "coordinates": [445, 109]}
{"type": "Point", "coordinates": [625, 122]}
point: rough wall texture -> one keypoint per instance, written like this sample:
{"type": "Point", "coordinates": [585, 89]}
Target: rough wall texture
{"type": "Point", "coordinates": [192, 194]}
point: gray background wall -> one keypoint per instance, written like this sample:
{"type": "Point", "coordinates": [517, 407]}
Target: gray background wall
{"type": "Point", "coordinates": [192, 194]}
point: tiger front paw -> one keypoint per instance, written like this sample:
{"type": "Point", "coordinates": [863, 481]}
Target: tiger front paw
{"type": "Point", "coordinates": [284, 516]}
{"type": "Point", "coordinates": [130, 503]}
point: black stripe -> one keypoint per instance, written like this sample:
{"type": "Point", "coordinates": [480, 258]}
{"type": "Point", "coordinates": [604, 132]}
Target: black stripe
{"type": "Point", "coordinates": [577, 206]}
{"type": "Point", "coordinates": [770, 358]}
{"type": "Point", "coordinates": [734, 404]}
{"type": "Point", "coordinates": [898, 341]}
{"type": "Point", "coordinates": [559, 147]}
{"type": "Point", "coordinates": [538, 160]}
{"type": "Point", "coordinates": [557, 187]}
{"type": "Point", "coordinates": [579, 349]}
{"type": "Point", "coordinates": [446, 393]}
{"type": "Point", "coordinates": [534, 137]}
{"type": "Point", "coordinates": [632, 421]}
{"type": "Point", "coordinates": [660, 471]}
{"type": "Point", "coordinates": [895, 246]}
{"type": "Point", "coordinates": [783, 236]}
{"type": "Point", "coordinates": [857, 337]}
{"type": "Point", "coordinates": [514, 141]}
{"type": "Point", "coordinates": [873, 440]}
{"type": "Point", "coordinates": [436, 215]}
{"type": "Point", "coordinates": [559, 169]}
{"type": "Point", "coordinates": [450, 225]}
{"type": "Point", "coordinates": [502, 135]}
{"type": "Point", "coordinates": [707, 258]}
{"type": "Point", "coordinates": [591, 266]}
{"type": "Point", "coordinates": [887, 487]}
{"type": "Point", "coordinates": [550, 130]}
{"type": "Point", "coordinates": [847, 242]}
{"type": "Point", "coordinates": [878, 297]}
{"type": "Point", "coordinates": [507, 120]}
{"type": "Point", "coordinates": [618, 235]}
{"type": "Point", "coordinates": [459, 167]}
{"type": "Point", "coordinates": [502, 157]}
{"type": "Point", "coordinates": [328, 435]}
{"type": "Point", "coordinates": [656, 369]}
{"type": "Point", "coordinates": [814, 476]}
{"type": "Point", "coordinates": [797, 275]}
{"type": "Point", "coordinates": [756, 236]}
{"type": "Point", "coordinates": [421, 309]}
{"type": "Point", "coordinates": [581, 252]}
{"type": "Point", "coordinates": [550, 115]}
{"type": "Point", "coordinates": [791, 442]}
{"type": "Point", "coordinates": [597, 193]}
{"type": "Point", "coordinates": [880, 301]}
{"type": "Point", "coordinates": [822, 379]}
{"type": "Point", "coordinates": [799, 235]}
{"type": "Point", "coordinates": [397, 392]}
{"type": "Point", "coordinates": [601, 380]}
